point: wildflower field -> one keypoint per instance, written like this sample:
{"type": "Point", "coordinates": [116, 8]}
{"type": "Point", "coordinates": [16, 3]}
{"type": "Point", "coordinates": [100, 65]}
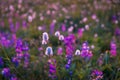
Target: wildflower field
{"type": "Point", "coordinates": [59, 39]}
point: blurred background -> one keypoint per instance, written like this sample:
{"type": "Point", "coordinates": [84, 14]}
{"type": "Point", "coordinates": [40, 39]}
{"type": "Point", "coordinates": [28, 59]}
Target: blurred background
{"type": "Point", "coordinates": [96, 22]}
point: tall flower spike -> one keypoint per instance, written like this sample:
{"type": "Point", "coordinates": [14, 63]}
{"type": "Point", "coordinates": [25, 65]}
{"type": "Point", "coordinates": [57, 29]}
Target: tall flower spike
{"type": "Point", "coordinates": [49, 51]}
{"type": "Point", "coordinates": [60, 51]}
{"type": "Point", "coordinates": [113, 48]}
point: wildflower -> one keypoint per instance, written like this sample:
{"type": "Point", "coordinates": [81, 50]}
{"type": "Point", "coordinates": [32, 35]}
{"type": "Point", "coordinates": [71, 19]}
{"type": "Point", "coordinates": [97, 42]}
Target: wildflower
{"type": "Point", "coordinates": [113, 48]}
{"type": "Point", "coordinates": [6, 72]}
{"type": "Point", "coordinates": [1, 62]}
{"type": "Point", "coordinates": [77, 52]}
{"type": "Point", "coordinates": [57, 33]}
{"type": "Point", "coordinates": [94, 16]}
{"type": "Point", "coordinates": [49, 51]}
{"type": "Point", "coordinates": [96, 74]}
{"type": "Point", "coordinates": [63, 27]}
{"type": "Point", "coordinates": [60, 51]}
{"type": "Point", "coordinates": [69, 43]}
{"type": "Point", "coordinates": [45, 38]}
{"type": "Point", "coordinates": [44, 42]}
{"type": "Point", "coordinates": [52, 26]}
{"type": "Point", "coordinates": [26, 59]}
{"type": "Point", "coordinates": [87, 27]}
{"type": "Point", "coordinates": [80, 32]}
{"type": "Point", "coordinates": [100, 60]}
{"type": "Point", "coordinates": [52, 68]}
{"type": "Point", "coordinates": [117, 31]}
{"type": "Point", "coordinates": [13, 77]}
{"type": "Point", "coordinates": [85, 51]}
{"type": "Point", "coordinates": [15, 60]}
{"type": "Point", "coordinates": [61, 37]}
{"type": "Point", "coordinates": [85, 19]}
{"type": "Point", "coordinates": [68, 65]}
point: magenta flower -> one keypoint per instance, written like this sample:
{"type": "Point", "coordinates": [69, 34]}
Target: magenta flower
{"type": "Point", "coordinates": [80, 32]}
{"type": "Point", "coordinates": [59, 51]}
{"type": "Point", "coordinates": [113, 47]}
{"type": "Point", "coordinates": [63, 27]}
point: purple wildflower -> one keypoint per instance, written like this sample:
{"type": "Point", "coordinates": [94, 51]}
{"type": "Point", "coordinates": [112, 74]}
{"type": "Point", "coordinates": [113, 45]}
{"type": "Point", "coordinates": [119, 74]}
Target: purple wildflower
{"type": "Point", "coordinates": [6, 72]}
{"type": "Point", "coordinates": [52, 68]}
{"type": "Point", "coordinates": [59, 51]}
{"type": "Point", "coordinates": [1, 62]}
{"type": "Point", "coordinates": [63, 27]}
{"type": "Point", "coordinates": [80, 32]}
{"type": "Point", "coordinates": [117, 31]}
{"type": "Point", "coordinates": [96, 74]}
{"type": "Point", "coordinates": [85, 51]}
{"type": "Point", "coordinates": [113, 48]}
{"type": "Point", "coordinates": [52, 26]}
{"type": "Point", "coordinates": [69, 44]}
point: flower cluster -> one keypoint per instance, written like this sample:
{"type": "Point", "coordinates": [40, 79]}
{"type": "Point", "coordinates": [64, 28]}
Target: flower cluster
{"type": "Point", "coordinates": [85, 51]}
{"type": "Point", "coordinates": [21, 53]}
{"type": "Point", "coordinates": [60, 37]}
{"type": "Point", "coordinates": [8, 75]}
{"type": "Point", "coordinates": [96, 75]}
{"type": "Point", "coordinates": [6, 40]}
{"type": "Point", "coordinates": [69, 43]}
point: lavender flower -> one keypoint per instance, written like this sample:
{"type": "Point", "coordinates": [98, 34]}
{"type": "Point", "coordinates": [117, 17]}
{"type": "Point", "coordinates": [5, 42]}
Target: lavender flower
{"type": "Point", "coordinates": [60, 51]}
